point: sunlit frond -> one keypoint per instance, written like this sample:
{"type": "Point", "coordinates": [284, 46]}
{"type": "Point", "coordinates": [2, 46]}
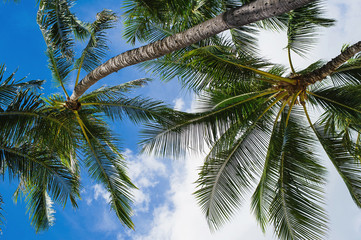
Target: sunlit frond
{"type": "Point", "coordinates": [97, 46]}
{"type": "Point", "coordinates": [346, 165]}
{"type": "Point", "coordinates": [104, 92]}
{"type": "Point", "coordinates": [297, 207]}
{"type": "Point", "coordinates": [302, 25]}
{"type": "Point", "coordinates": [58, 25]}
{"type": "Point", "coordinates": [106, 164]}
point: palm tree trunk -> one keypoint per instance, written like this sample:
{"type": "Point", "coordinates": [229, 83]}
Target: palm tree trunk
{"type": "Point", "coordinates": [252, 12]}
{"type": "Point", "coordinates": [330, 67]}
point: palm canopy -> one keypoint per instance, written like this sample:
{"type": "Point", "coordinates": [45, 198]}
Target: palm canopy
{"type": "Point", "coordinates": [45, 138]}
{"type": "Point", "coordinates": [255, 125]}
{"type": "Point", "coordinates": [39, 171]}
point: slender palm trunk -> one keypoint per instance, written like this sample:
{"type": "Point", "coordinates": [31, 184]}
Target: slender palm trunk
{"type": "Point", "coordinates": [331, 66]}
{"type": "Point", "coordinates": [252, 12]}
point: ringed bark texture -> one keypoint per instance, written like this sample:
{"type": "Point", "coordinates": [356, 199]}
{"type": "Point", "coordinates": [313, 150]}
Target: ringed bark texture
{"type": "Point", "coordinates": [252, 12]}
{"type": "Point", "coordinates": [331, 66]}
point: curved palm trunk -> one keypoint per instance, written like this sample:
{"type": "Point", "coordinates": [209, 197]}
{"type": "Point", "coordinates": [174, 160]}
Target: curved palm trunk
{"type": "Point", "coordinates": [252, 12]}
{"type": "Point", "coordinates": [330, 67]}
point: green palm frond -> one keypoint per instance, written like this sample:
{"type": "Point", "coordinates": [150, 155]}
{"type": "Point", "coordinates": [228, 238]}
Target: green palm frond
{"type": "Point", "coordinates": [104, 93]}
{"type": "Point", "coordinates": [97, 46]}
{"type": "Point", "coordinates": [9, 86]}
{"type": "Point", "coordinates": [340, 103]}
{"type": "Point", "coordinates": [41, 167]}
{"type": "Point", "coordinates": [198, 129]}
{"type": "Point", "coordinates": [210, 66]}
{"type": "Point", "coordinates": [60, 67]}
{"type": "Point", "coordinates": [265, 192]}
{"type": "Point", "coordinates": [106, 164]}
{"type": "Point", "coordinates": [230, 173]}
{"type": "Point", "coordinates": [59, 25]}
{"type": "Point", "coordinates": [245, 38]}
{"type": "Point", "coordinates": [302, 25]}
{"type": "Point", "coordinates": [136, 109]}
{"type": "Point", "coordinates": [297, 207]}
{"type": "Point", "coordinates": [40, 208]}
{"type": "Point", "coordinates": [18, 118]}
{"type": "Point", "coordinates": [346, 165]}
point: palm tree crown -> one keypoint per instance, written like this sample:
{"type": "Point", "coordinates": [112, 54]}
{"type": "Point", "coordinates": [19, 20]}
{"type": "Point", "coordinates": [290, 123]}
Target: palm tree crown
{"type": "Point", "coordinates": [58, 133]}
{"type": "Point", "coordinates": [255, 125]}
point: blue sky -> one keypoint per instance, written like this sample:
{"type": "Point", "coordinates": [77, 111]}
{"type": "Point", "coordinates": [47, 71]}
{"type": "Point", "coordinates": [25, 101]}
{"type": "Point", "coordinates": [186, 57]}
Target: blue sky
{"type": "Point", "coordinates": [164, 207]}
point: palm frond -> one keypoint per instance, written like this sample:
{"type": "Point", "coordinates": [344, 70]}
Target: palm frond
{"type": "Point", "coordinates": [265, 191]}
{"type": "Point", "coordinates": [58, 26]}
{"type": "Point", "coordinates": [39, 207]}
{"type": "Point", "coordinates": [106, 164]}
{"type": "Point", "coordinates": [208, 67]}
{"type": "Point", "coordinates": [137, 109]}
{"type": "Point", "coordinates": [104, 93]}
{"type": "Point", "coordinates": [198, 129]}
{"type": "Point", "coordinates": [302, 25]}
{"type": "Point", "coordinates": [41, 167]}
{"type": "Point", "coordinates": [296, 209]}
{"type": "Point", "coordinates": [59, 66]}
{"type": "Point", "coordinates": [229, 174]}
{"type": "Point", "coordinates": [340, 103]}
{"type": "Point", "coordinates": [245, 38]}
{"type": "Point", "coordinates": [9, 86]}
{"type": "Point", "coordinates": [346, 165]}
{"type": "Point", "coordinates": [17, 119]}
{"type": "Point", "coordinates": [97, 46]}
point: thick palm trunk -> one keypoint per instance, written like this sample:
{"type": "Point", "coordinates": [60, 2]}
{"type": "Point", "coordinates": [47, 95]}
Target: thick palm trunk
{"type": "Point", "coordinates": [331, 66]}
{"type": "Point", "coordinates": [252, 12]}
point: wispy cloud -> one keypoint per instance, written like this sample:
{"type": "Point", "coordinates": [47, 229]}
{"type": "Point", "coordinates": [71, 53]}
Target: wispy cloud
{"type": "Point", "coordinates": [178, 104]}
{"type": "Point", "coordinates": [145, 172]}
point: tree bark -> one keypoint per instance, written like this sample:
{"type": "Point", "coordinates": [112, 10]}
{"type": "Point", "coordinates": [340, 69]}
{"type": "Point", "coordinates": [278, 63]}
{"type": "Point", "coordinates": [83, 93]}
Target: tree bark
{"type": "Point", "coordinates": [249, 13]}
{"type": "Point", "coordinates": [330, 67]}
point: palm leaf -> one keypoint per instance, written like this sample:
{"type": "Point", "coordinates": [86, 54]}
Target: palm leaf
{"type": "Point", "coordinates": [340, 103]}
{"type": "Point", "coordinates": [106, 164]}
{"type": "Point", "coordinates": [346, 165]}
{"type": "Point", "coordinates": [227, 175]}
{"type": "Point", "coordinates": [302, 25]}
{"type": "Point", "coordinates": [97, 46]}
{"type": "Point", "coordinates": [106, 93]}
{"type": "Point", "coordinates": [296, 209]}
{"type": "Point", "coordinates": [58, 25]}
{"type": "Point", "coordinates": [198, 129]}
{"type": "Point", "coordinates": [265, 191]}
{"type": "Point", "coordinates": [9, 86]}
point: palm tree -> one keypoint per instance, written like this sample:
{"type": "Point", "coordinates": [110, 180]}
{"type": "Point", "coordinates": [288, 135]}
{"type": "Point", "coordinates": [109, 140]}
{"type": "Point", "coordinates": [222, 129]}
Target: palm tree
{"type": "Point", "coordinates": [234, 17]}
{"type": "Point", "coordinates": [60, 133]}
{"type": "Point", "coordinates": [39, 171]}
{"type": "Point", "coordinates": [254, 123]}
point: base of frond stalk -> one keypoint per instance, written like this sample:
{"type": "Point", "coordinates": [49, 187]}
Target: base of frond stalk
{"type": "Point", "coordinates": [72, 105]}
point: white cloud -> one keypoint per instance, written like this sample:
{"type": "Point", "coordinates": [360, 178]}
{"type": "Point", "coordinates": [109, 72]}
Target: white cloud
{"type": "Point", "coordinates": [100, 191]}
{"type": "Point", "coordinates": [106, 221]}
{"type": "Point", "coordinates": [120, 236]}
{"type": "Point", "coordinates": [145, 172]}
{"type": "Point", "coordinates": [181, 218]}
{"type": "Point", "coordinates": [178, 104]}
